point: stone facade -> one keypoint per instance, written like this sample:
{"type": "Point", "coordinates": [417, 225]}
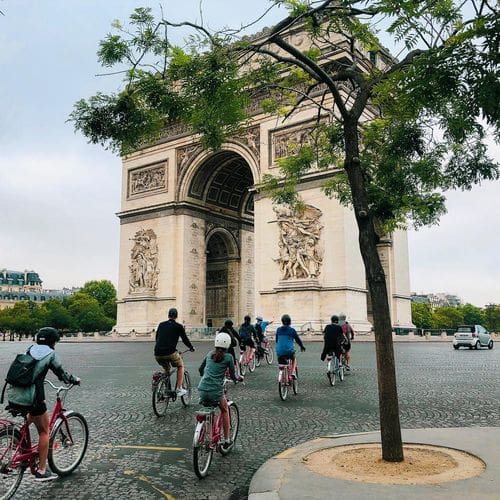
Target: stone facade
{"type": "Point", "coordinates": [218, 247]}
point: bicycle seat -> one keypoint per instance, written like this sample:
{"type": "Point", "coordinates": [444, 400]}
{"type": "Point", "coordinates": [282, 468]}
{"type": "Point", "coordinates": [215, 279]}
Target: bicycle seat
{"type": "Point", "coordinates": [17, 411]}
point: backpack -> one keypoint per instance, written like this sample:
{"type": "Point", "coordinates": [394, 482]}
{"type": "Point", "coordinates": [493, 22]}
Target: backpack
{"type": "Point", "coordinates": [21, 372]}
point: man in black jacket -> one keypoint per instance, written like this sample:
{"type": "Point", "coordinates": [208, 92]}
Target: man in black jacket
{"type": "Point", "coordinates": [166, 354]}
{"type": "Point", "coordinates": [333, 336]}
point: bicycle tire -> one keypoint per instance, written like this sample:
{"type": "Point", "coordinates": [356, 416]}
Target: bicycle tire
{"type": "Point", "coordinates": [295, 384]}
{"type": "Point", "coordinates": [341, 373]}
{"type": "Point", "coordinates": [243, 366]}
{"type": "Point", "coordinates": [330, 374]}
{"type": "Point", "coordinates": [202, 452]}
{"type": "Point", "coordinates": [186, 384]}
{"type": "Point", "coordinates": [234, 426]}
{"type": "Point", "coordinates": [269, 355]}
{"type": "Point", "coordinates": [160, 398]}
{"type": "Point", "coordinates": [10, 479]}
{"type": "Point", "coordinates": [251, 364]}
{"type": "Point", "coordinates": [257, 359]}
{"type": "Point", "coordinates": [68, 443]}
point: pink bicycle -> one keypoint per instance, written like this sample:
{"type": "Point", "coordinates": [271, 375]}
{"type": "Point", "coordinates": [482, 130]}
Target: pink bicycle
{"type": "Point", "coordinates": [209, 435]}
{"type": "Point", "coordinates": [68, 442]}
{"type": "Point", "coordinates": [286, 380]}
{"type": "Point", "coordinates": [247, 360]}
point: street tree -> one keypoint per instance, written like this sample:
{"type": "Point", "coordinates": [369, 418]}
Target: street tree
{"type": "Point", "coordinates": [394, 132]}
{"type": "Point", "coordinates": [447, 317]}
{"type": "Point", "coordinates": [421, 314]}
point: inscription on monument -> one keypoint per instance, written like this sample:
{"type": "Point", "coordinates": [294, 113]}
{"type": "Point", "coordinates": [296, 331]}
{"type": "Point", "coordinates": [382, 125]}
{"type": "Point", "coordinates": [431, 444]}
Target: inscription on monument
{"type": "Point", "coordinates": [300, 255]}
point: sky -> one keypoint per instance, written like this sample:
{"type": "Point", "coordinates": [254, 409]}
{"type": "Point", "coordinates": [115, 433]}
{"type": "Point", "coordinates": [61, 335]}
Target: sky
{"type": "Point", "coordinates": [59, 194]}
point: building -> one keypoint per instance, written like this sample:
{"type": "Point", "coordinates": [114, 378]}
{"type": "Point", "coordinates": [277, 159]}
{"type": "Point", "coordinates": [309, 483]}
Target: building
{"type": "Point", "coordinates": [26, 285]}
{"type": "Point", "coordinates": [437, 299]}
{"type": "Point", "coordinates": [197, 234]}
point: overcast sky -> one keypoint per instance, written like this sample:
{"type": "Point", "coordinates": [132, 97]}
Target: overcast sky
{"type": "Point", "coordinates": [59, 195]}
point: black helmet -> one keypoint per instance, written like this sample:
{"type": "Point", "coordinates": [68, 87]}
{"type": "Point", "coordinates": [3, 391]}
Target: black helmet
{"type": "Point", "coordinates": [335, 319]}
{"type": "Point", "coordinates": [286, 320]}
{"type": "Point", "coordinates": [247, 319]}
{"type": "Point", "coordinates": [47, 336]}
{"type": "Point", "coordinates": [172, 313]}
{"type": "Point", "coordinates": [228, 323]}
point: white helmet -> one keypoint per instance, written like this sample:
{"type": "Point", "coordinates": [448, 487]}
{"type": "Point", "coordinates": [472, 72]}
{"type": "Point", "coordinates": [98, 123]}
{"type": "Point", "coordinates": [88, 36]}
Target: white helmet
{"type": "Point", "coordinates": [223, 340]}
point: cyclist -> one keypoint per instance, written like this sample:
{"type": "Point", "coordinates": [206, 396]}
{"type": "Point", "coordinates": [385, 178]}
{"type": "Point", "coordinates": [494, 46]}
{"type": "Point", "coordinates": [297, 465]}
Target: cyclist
{"type": "Point", "coordinates": [235, 337]}
{"type": "Point", "coordinates": [33, 398]}
{"type": "Point", "coordinates": [260, 328]}
{"type": "Point", "coordinates": [346, 341]}
{"type": "Point", "coordinates": [166, 354]}
{"type": "Point", "coordinates": [212, 371]}
{"type": "Point", "coordinates": [247, 335]}
{"type": "Point", "coordinates": [285, 350]}
{"type": "Point", "coordinates": [333, 337]}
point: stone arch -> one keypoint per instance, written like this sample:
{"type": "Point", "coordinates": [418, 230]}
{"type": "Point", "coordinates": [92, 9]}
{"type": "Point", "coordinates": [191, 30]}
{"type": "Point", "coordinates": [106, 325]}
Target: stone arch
{"type": "Point", "coordinates": [198, 159]}
{"type": "Point", "coordinates": [233, 251]}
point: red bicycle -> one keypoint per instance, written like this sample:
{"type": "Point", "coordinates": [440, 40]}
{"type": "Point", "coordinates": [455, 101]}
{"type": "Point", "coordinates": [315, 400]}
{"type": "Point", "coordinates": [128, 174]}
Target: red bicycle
{"type": "Point", "coordinates": [287, 379]}
{"type": "Point", "coordinates": [68, 442]}
{"type": "Point", "coordinates": [247, 360]}
{"type": "Point", "coordinates": [209, 435]}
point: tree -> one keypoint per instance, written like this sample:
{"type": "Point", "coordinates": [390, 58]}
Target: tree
{"type": "Point", "coordinates": [58, 316]}
{"type": "Point", "coordinates": [492, 317]}
{"type": "Point", "coordinates": [375, 116]}
{"type": "Point", "coordinates": [102, 290]}
{"type": "Point", "coordinates": [421, 314]}
{"type": "Point", "coordinates": [472, 315]}
{"type": "Point", "coordinates": [447, 317]}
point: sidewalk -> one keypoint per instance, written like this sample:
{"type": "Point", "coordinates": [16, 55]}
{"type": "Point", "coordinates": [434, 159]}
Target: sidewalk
{"type": "Point", "coordinates": [285, 477]}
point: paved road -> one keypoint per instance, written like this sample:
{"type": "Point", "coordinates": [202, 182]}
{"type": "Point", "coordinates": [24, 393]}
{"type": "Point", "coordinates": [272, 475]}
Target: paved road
{"type": "Point", "coordinates": [438, 387]}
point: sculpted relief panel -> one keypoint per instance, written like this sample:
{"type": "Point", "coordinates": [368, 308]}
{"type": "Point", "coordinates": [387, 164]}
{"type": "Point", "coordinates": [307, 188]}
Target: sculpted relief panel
{"type": "Point", "coordinates": [300, 254]}
{"type": "Point", "coordinates": [145, 180]}
{"type": "Point", "coordinates": [287, 143]}
{"type": "Point", "coordinates": [144, 262]}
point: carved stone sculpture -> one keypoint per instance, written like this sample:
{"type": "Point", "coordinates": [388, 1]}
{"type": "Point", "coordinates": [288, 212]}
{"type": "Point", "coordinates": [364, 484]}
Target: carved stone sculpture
{"type": "Point", "coordinates": [144, 266]}
{"type": "Point", "coordinates": [300, 255]}
{"type": "Point", "coordinates": [147, 179]}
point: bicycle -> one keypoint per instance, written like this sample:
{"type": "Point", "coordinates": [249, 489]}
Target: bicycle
{"type": "Point", "coordinates": [247, 360]}
{"type": "Point", "coordinates": [209, 436]}
{"type": "Point", "coordinates": [68, 440]}
{"type": "Point", "coordinates": [286, 379]}
{"type": "Point", "coordinates": [334, 368]}
{"type": "Point", "coordinates": [162, 392]}
{"type": "Point", "coordinates": [266, 352]}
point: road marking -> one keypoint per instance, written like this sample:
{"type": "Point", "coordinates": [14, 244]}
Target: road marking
{"type": "Point", "coordinates": [145, 479]}
{"type": "Point", "coordinates": [286, 453]}
{"type": "Point", "coordinates": [154, 448]}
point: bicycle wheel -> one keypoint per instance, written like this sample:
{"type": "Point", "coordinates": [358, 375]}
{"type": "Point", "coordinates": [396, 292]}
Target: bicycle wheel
{"type": "Point", "coordinates": [234, 425]}
{"type": "Point", "coordinates": [295, 382]}
{"type": "Point", "coordinates": [258, 359]}
{"type": "Point", "coordinates": [68, 443]}
{"type": "Point", "coordinates": [10, 477]}
{"type": "Point", "coordinates": [161, 398]}
{"type": "Point", "coordinates": [330, 374]}
{"type": "Point", "coordinates": [251, 364]}
{"type": "Point", "coordinates": [283, 384]}
{"type": "Point", "coordinates": [243, 366]}
{"type": "Point", "coordinates": [269, 355]}
{"type": "Point", "coordinates": [202, 452]}
{"type": "Point", "coordinates": [341, 372]}
{"type": "Point", "coordinates": [186, 384]}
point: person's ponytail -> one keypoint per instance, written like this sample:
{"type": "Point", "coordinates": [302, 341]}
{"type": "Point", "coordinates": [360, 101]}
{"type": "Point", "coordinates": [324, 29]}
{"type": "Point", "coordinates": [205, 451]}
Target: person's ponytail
{"type": "Point", "coordinates": [218, 354]}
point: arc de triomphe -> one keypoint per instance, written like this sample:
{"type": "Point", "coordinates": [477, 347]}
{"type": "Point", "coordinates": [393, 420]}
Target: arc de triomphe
{"type": "Point", "coordinates": [197, 234]}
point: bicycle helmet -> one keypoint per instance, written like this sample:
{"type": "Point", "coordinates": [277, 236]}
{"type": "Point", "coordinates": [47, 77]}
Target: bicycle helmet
{"type": "Point", "coordinates": [47, 336]}
{"type": "Point", "coordinates": [223, 340]}
{"type": "Point", "coordinates": [228, 323]}
{"type": "Point", "coordinates": [172, 313]}
{"type": "Point", "coordinates": [335, 319]}
{"type": "Point", "coordinates": [259, 318]}
{"type": "Point", "coordinates": [286, 320]}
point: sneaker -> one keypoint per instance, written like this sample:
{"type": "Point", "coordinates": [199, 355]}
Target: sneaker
{"type": "Point", "coordinates": [46, 476]}
{"type": "Point", "coordinates": [226, 445]}
{"type": "Point", "coordinates": [347, 367]}
{"type": "Point", "coordinates": [294, 375]}
{"type": "Point", "coordinates": [181, 392]}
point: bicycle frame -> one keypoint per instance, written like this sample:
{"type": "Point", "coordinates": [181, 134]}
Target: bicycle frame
{"type": "Point", "coordinates": [285, 373]}
{"type": "Point", "coordinates": [26, 453]}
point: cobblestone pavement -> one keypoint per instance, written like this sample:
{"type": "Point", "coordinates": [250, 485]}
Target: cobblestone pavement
{"type": "Point", "coordinates": [438, 387]}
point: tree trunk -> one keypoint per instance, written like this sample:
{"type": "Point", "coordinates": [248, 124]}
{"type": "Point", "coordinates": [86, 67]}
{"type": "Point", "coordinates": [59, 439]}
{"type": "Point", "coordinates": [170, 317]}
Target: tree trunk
{"type": "Point", "coordinates": [390, 428]}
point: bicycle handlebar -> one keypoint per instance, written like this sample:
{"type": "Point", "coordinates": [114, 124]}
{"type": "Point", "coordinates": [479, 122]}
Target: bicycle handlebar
{"type": "Point", "coordinates": [59, 388]}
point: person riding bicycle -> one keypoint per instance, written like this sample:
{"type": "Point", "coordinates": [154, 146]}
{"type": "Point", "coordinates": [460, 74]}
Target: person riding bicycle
{"type": "Point", "coordinates": [166, 354]}
{"type": "Point", "coordinates": [213, 371]}
{"type": "Point", "coordinates": [346, 342]}
{"type": "Point", "coordinates": [247, 334]}
{"type": "Point", "coordinates": [260, 328]}
{"type": "Point", "coordinates": [32, 398]}
{"type": "Point", "coordinates": [235, 337]}
{"type": "Point", "coordinates": [333, 337]}
{"type": "Point", "coordinates": [285, 350]}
